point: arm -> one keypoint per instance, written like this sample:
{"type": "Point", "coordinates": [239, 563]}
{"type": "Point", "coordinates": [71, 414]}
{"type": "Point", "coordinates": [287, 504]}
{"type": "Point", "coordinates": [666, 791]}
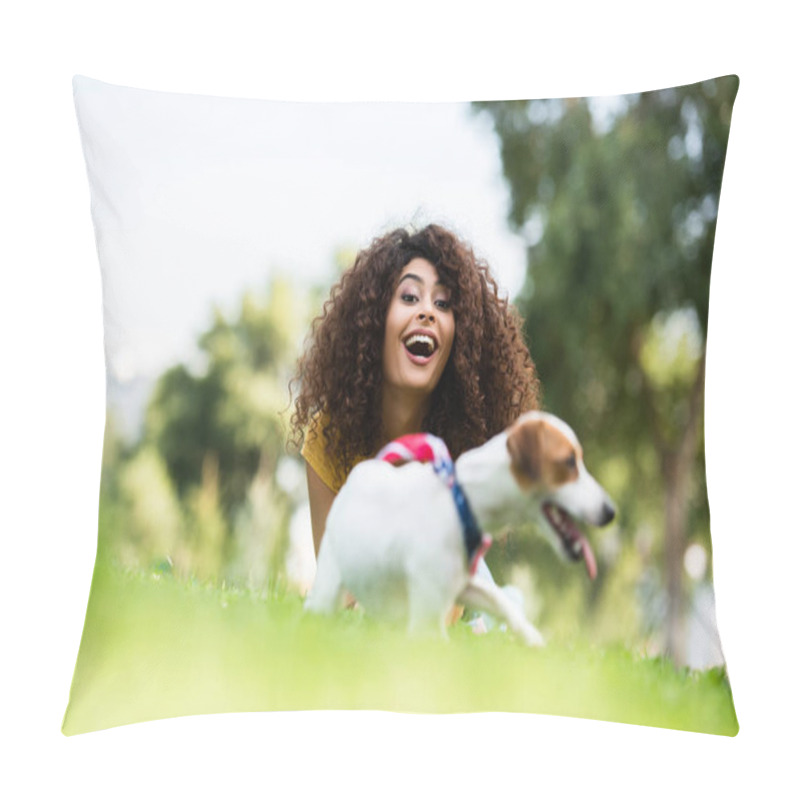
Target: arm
{"type": "Point", "coordinates": [320, 497]}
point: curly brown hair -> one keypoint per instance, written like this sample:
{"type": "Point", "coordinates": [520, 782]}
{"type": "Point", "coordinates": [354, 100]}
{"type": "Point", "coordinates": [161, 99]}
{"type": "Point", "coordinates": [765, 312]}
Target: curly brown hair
{"type": "Point", "coordinates": [489, 379]}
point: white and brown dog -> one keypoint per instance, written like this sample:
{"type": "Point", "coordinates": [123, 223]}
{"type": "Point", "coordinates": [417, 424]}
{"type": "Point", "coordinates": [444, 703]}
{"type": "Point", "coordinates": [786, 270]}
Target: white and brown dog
{"type": "Point", "coordinates": [397, 541]}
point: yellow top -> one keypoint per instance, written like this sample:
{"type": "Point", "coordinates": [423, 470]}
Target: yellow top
{"type": "Point", "coordinates": [313, 452]}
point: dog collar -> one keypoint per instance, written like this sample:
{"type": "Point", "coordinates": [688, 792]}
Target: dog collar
{"type": "Point", "coordinates": [427, 448]}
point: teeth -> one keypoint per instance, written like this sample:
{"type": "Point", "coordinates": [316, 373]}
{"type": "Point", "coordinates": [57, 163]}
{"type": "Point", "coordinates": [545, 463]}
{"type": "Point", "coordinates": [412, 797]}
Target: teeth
{"type": "Point", "coordinates": [420, 339]}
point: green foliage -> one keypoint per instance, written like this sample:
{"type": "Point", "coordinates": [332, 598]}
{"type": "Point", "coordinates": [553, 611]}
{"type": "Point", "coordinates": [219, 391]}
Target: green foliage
{"type": "Point", "coordinates": [232, 408]}
{"type": "Point", "coordinates": [155, 647]}
{"type": "Point", "coordinates": [154, 520]}
{"type": "Point", "coordinates": [620, 225]}
{"type": "Point", "coordinates": [619, 212]}
{"type": "Point", "coordinates": [199, 492]}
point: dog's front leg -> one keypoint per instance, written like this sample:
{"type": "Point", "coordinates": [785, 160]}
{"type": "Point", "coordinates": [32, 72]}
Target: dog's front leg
{"type": "Point", "coordinates": [327, 591]}
{"type": "Point", "coordinates": [428, 604]}
{"type": "Point", "coordinates": [481, 595]}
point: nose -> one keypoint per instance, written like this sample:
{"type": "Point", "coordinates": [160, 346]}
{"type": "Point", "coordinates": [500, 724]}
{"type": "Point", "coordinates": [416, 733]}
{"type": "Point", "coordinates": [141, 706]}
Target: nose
{"type": "Point", "coordinates": [426, 309]}
{"type": "Point", "coordinates": [608, 513]}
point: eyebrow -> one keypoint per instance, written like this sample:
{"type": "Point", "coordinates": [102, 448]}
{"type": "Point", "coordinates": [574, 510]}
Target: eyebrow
{"type": "Point", "coordinates": [419, 280]}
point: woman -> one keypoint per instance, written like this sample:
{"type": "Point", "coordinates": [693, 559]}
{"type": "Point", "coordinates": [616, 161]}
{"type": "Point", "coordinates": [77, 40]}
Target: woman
{"type": "Point", "coordinates": [414, 337]}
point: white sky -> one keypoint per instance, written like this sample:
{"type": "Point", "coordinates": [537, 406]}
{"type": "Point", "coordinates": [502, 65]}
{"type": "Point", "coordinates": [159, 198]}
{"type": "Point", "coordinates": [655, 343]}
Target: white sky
{"type": "Point", "coordinates": [197, 198]}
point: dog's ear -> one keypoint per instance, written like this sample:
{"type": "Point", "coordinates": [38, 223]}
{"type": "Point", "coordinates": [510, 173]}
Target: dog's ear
{"type": "Point", "coordinates": [542, 455]}
{"type": "Point", "coordinates": [525, 446]}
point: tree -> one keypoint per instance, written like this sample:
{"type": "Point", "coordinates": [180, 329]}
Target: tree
{"type": "Point", "coordinates": [619, 211]}
{"type": "Point", "coordinates": [220, 434]}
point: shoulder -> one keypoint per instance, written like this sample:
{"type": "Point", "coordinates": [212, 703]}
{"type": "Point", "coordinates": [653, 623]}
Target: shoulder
{"type": "Point", "coordinates": [319, 458]}
{"type": "Point", "coordinates": [314, 452]}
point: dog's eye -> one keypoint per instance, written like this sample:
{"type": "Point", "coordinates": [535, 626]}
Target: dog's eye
{"type": "Point", "coordinates": [571, 462]}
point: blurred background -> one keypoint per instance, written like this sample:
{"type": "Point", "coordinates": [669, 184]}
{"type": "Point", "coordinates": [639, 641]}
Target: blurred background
{"type": "Point", "coordinates": [597, 216]}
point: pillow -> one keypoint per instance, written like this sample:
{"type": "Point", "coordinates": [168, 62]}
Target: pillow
{"type": "Point", "coordinates": [221, 225]}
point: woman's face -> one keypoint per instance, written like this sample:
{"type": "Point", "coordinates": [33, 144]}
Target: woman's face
{"type": "Point", "coordinates": [419, 329]}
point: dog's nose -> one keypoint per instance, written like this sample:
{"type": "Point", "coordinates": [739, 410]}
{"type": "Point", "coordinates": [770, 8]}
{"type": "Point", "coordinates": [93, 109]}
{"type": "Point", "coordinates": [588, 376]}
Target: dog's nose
{"type": "Point", "coordinates": [608, 513]}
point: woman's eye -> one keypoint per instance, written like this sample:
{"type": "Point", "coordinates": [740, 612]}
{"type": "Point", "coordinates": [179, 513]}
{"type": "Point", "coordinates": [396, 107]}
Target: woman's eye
{"type": "Point", "coordinates": [443, 304]}
{"type": "Point", "coordinates": [408, 298]}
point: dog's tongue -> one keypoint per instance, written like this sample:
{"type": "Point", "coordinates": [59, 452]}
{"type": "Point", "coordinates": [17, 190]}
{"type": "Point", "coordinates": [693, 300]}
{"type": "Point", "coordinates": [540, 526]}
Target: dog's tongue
{"type": "Point", "coordinates": [588, 557]}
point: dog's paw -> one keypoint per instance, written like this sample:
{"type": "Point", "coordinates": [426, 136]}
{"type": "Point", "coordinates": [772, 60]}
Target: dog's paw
{"type": "Point", "coordinates": [478, 625]}
{"type": "Point", "coordinates": [531, 637]}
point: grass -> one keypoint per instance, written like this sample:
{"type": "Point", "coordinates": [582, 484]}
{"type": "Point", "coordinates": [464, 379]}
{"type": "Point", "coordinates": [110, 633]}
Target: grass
{"type": "Point", "coordinates": [154, 647]}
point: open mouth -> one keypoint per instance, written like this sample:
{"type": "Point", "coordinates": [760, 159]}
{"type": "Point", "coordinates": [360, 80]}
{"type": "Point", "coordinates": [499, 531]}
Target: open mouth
{"type": "Point", "coordinates": [420, 347]}
{"type": "Point", "coordinates": [576, 546]}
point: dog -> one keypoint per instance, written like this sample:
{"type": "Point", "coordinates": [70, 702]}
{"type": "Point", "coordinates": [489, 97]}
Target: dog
{"type": "Point", "coordinates": [402, 543]}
